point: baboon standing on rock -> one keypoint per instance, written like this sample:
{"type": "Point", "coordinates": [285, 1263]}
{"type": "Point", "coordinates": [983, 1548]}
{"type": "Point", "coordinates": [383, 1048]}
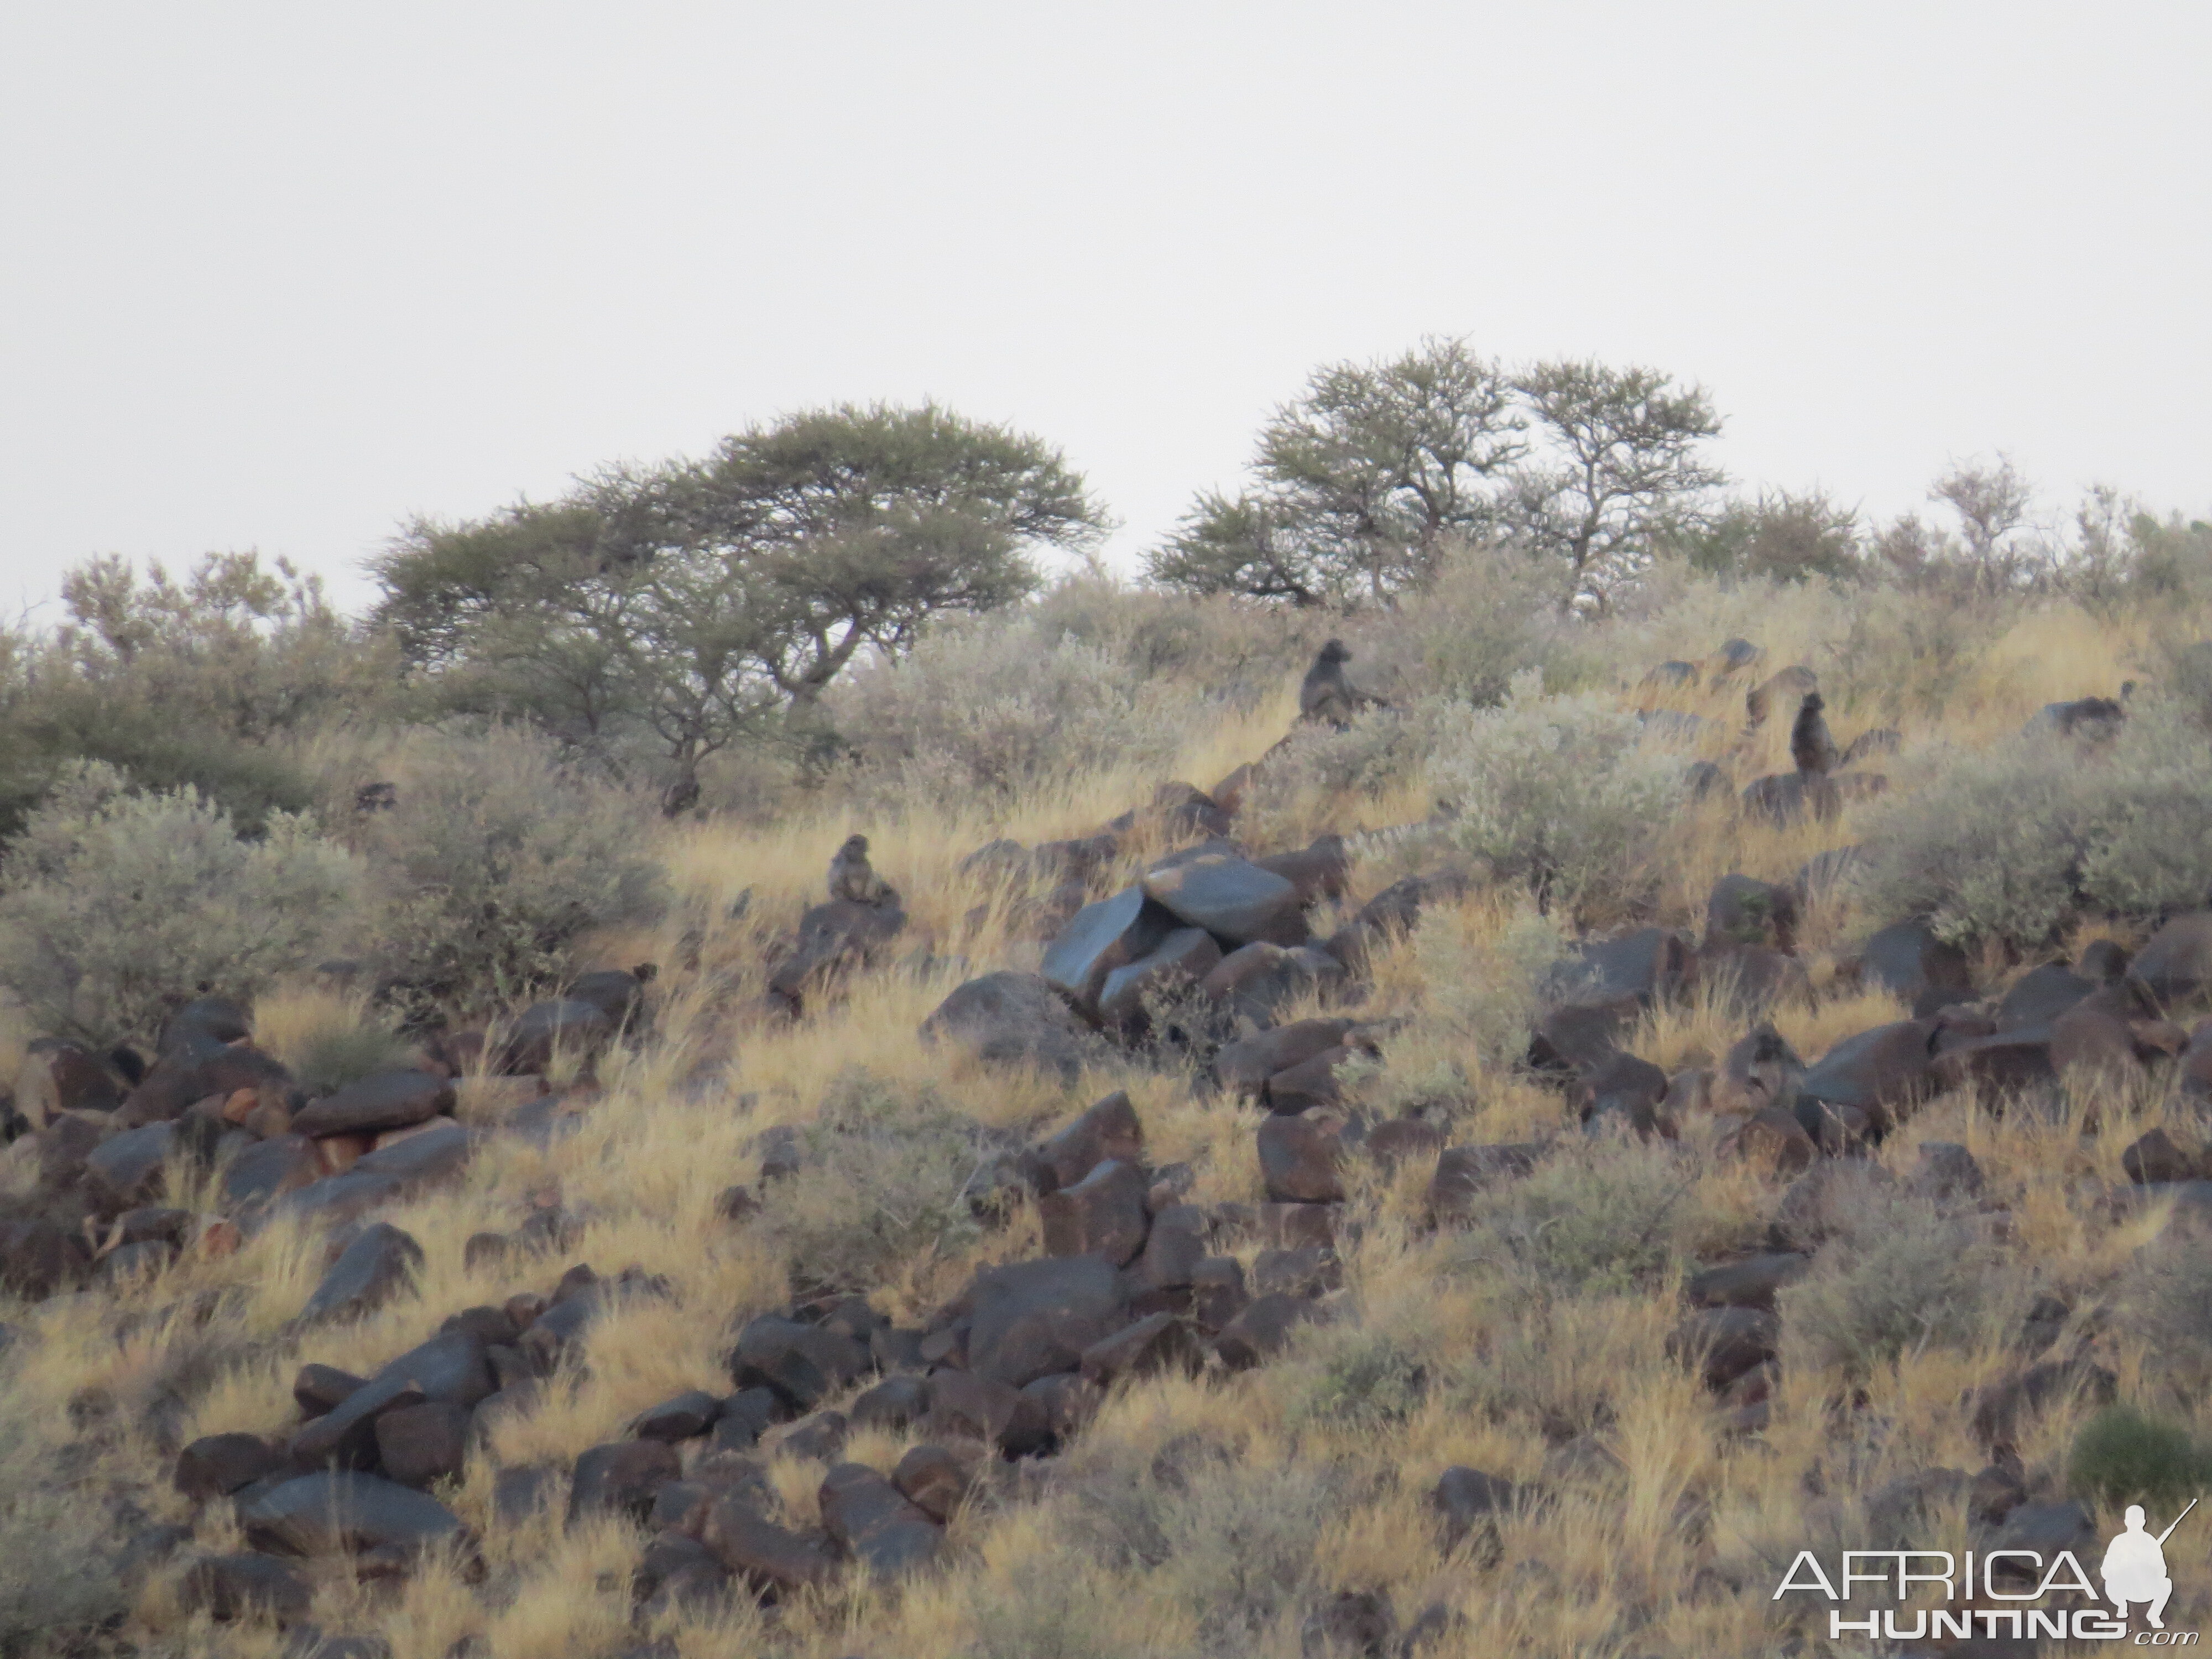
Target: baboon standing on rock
{"type": "Point", "coordinates": [852, 877]}
{"type": "Point", "coordinates": [1810, 746]}
{"type": "Point", "coordinates": [1325, 695]}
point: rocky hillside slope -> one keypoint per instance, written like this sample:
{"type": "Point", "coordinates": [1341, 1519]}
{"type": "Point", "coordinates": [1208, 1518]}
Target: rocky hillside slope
{"type": "Point", "coordinates": [1469, 1183]}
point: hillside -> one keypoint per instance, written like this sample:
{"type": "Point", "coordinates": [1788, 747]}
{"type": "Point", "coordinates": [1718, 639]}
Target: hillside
{"type": "Point", "coordinates": [1475, 1227]}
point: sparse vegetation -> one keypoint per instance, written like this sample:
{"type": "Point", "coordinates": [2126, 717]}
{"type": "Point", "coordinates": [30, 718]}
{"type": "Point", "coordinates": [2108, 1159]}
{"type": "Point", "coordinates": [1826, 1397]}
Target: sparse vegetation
{"type": "Point", "coordinates": [112, 903]}
{"type": "Point", "coordinates": [2121, 1456]}
{"type": "Point", "coordinates": [1602, 1220]}
{"type": "Point", "coordinates": [2016, 842]}
{"type": "Point", "coordinates": [493, 860]}
{"type": "Point", "coordinates": [1561, 794]}
{"type": "Point", "coordinates": [1901, 1281]}
{"type": "Point", "coordinates": [884, 1189]}
{"type": "Point", "coordinates": [748, 1158]}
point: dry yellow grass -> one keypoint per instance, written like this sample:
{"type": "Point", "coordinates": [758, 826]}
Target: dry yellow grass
{"type": "Point", "coordinates": [1672, 1550]}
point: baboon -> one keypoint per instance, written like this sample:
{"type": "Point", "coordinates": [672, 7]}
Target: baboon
{"type": "Point", "coordinates": [1810, 746]}
{"type": "Point", "coordinates": [2103, 960]}
{"type": "Point", "coordinates": [1325, 695]}
{"type": "Point", "coordinates": [1761, 1070]}
{"type": "Point", "coordinates": [850, 876]}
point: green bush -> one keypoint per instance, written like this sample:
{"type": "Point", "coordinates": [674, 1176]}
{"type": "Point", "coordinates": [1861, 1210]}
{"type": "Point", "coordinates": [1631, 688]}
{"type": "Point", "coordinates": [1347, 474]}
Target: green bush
{"type": "Point", "coordinates": [2121, 1457]}
{"type": "Point", "coordinates": [1899, 1278]}
{"type": "Point", "coordinates": [2012, 844]}
{"type": "Point", "coordinates": [1557, 793]}
{"type": "Point", "coordinates": [2166, 1300]}
{"type": "Point", "coordinates": [883, 1185]}
{"type": "Point", "coordinates": [114, 905]}
{"type": "Point", "coordinates": [1380, 751]}
{"type": "Point", "coordinates": [1219, 646]}
{"type": "Point", "coordinates": [1905, 656]}
{"type": "Point", "coordinates": [494, 860]}
{"type": "Point", "coordinates": [1487, 614]}
{"type": "Point", "coordinates": [334, 1056]}
{"type": "Point", "coordinates": [159, 749]}
{"type": "Point", "coordinates": [1485, 990]}
{"type": "Point", "coordinates": [1360, 1379]}
{"type": "Point", "coordinates": [983, 711]}
{"type": "Point", "coordinates": [1596, 1218]}
{"type": "Point", "coordinates": [61, 1584]}
{"type": "Point", "coordinates": [1231, 1542]}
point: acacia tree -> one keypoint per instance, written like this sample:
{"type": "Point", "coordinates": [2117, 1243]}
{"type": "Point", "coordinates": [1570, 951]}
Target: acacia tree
{"type": "Point", "coordinates": [1619, 466]}
{"type": "Point", "coordinates": [699, 602]}
{"type": "Point", "coordinates": [1358, 482]}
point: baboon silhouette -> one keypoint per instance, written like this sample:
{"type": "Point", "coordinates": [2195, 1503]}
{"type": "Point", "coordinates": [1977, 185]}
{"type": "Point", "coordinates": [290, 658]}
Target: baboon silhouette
{"type": "Point", "coordinates": [852, 877]}
{"type": "Point", "coordinates": [1810, 746]}
{"type": "Point", "coordinates": [1325, 695]}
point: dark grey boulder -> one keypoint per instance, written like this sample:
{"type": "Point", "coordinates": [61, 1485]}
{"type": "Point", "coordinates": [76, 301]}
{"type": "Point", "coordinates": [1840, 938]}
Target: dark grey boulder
{"type": "Point", "coordinates": [1107, 1129]}
{"type": "Point", "coordinates": [1010, 1019]}
{"type": "Point", "coordinates": [622, 1477]}
{"type": "Point", "coordinates": [684, 1417]}
{"type": "Point", "coordinates": [1245, 1066]}
{"type": "Point", "coordinates": [1108, 934]}
{"type": "Point", "coordinates": [390, 1100]}
{"type": "Point", "coordinates": [1878, 1072]}
{"type": "Point", "coordinates": [218, 1465]}
{"type": "Point", "coordinates": [1907, 960]}
{"type": "Point", "coordinates": [1231, 898]}
{"type": "Point", "coordinates": [833, 938]}
{"type": "Point", "coordinates": [417, 1445]}
{"type": "Point", "coordinates": [556, 1026]}
{"type": "Point", "coordinates": [1032, 1318]}
{"type": "Point", "coordinates": [803, 1364]}
{"type": "Point", "coordinates": [329, 1514]}
{"type": "Point", "coordinates": [245, 1584]}
{"type": "Point", "coordinates": [615, 992]}
{"type": "Point", "coordinates": [875, 1523]}
{"type": "Point", "coordinates": [1103, 1214]}
{"type": "Point", "coordinates": [368, 1273]}
{"type": "Point", "coordinates": [452, 1368]}
{"type": "Point", "coordinates": [1180, 961]}
{"type": "Point", "coordinates": [271, 1167]}
{"type": "Point", "coordinates": [2176, 964]}
{"type": "Point", "coordinates": [126, 1169]}
{"type": "Point", "coordinates": [2041, 995]}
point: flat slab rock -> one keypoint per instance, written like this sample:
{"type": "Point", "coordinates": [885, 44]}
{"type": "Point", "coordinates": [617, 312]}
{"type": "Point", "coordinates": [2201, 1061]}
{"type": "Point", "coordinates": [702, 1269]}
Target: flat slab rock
{"type": "Point", "coordinates": [335, 1513]}
{"type": "Point", "coordinates": [1231, 898]}
{"type": "Point", "coordinates": [390, 1100]}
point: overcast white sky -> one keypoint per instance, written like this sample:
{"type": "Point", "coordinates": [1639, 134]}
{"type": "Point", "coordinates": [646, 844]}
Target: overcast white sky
{"type": "Point", "coordinates": [278, 275]}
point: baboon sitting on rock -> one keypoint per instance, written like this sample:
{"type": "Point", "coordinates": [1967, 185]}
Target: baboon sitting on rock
{"type": "Point", "coordinates": [852, 878]}
{"type": "Point", "coordinates": [1327, 695]}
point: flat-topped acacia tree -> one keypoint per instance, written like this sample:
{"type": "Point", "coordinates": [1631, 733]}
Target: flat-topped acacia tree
{"type": "Point", "coordinates": [699, 599]}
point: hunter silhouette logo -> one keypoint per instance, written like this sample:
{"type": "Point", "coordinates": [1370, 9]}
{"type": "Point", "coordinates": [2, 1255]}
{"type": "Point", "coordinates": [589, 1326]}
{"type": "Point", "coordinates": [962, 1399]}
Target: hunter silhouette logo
{"type": "Point", "coordinates": [2000, 1593]}
{"type": "Point", "coordinates": [2135, 1566]}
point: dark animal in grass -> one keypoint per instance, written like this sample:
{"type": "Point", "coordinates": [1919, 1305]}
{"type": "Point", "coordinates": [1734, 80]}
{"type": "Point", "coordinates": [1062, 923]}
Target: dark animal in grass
{"type": "Point", "coordinates": [1325, 695]}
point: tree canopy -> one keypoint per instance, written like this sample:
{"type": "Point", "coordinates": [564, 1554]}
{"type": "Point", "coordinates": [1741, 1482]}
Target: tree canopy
{"type": "Point", "coordinates": [699, 599]}
{"type": "Point", "coordinates": [1358, 483]}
